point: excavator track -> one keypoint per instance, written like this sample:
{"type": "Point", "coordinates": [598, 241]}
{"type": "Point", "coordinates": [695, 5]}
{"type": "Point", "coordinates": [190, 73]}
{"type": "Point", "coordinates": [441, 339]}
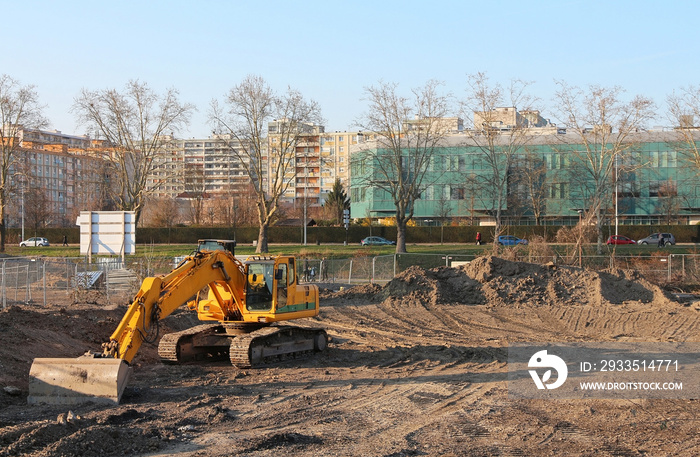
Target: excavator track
{"type": "Point", "coordinates": [208, 341]}
{"type": "Point", "coordinates": [271, 343]}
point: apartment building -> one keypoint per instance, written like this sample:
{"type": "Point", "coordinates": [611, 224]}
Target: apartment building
{"type": "Point", "coordinates": [200, 166]}
{"type": "Point", "coordinates": [320, 157]}
{"type": "Point", "coordinates": [56, 177]}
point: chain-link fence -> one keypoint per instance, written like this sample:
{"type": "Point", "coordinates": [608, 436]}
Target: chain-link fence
{"type": "Point", "coordinates": [660, 269]}
{"type": "Point", "coordinates": [56, 281]}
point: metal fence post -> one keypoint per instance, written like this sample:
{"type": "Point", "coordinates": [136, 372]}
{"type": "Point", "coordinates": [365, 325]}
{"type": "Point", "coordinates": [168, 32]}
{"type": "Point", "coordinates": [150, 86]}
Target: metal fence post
{"type": "Point", "coordinates": [350, 273]}
{"type": "Point", "coordinates": [43, 267]}
{"type": "Point", "coordinates": [28, 290]}
{"type": "Point", "coordinates": [683, 265]}
{"type": "Point", "coordinates": [4, 295]}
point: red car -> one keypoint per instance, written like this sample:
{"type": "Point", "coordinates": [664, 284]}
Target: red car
{"type": "Point", "coordinates": [619, 239]}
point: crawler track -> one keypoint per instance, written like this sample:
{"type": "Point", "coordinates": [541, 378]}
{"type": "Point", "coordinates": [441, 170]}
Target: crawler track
{"type": "Point", "coordinates": [213, 342]}
{"type": "Point", "coordinates": [271, 343]}
{"type": "Point", "coordinates": [208, 341]}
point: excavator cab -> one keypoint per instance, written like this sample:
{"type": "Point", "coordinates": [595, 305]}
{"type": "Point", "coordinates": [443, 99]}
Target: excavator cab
{"type": "Point", "coordinates": [217, 245]}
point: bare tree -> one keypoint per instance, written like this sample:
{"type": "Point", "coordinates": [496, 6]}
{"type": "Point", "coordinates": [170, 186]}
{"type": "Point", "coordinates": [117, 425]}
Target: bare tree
{"type": "Point", "coordinates": [162, 212]}
{"type": "Point", "coordinates": [244, 116]}
{"type": "Point", "coordinates": [138, 125]}
{"type": "Point", "coordinates": [684, 112]}
{"type": "Point", "coordinates": [408, 132]}
{"type": "Point", "coordinates": [443, 211]}
{"type": "Point", "coordinates": [38, 209]}
{"type": "Point", "coordinates": [19, 110]}
{"type": "Point", "coordinates": [530, 182]}
{"type": "Point", "coordinates": [92, 186]}
{"type": "Point", "coordinates": [472, 191]}
{"type": "Point", "coordinates": [669, 202]}
{"type": "Point", "coordinates": [603, 125]}
{"type": "Point", "coordinates": [499, 132]}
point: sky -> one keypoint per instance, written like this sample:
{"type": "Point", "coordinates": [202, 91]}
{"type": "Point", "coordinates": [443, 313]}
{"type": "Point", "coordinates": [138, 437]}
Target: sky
{"type": "Point", "coordinates": [331, 51]}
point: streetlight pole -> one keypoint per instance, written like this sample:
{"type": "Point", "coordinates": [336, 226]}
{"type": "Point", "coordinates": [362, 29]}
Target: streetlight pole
{"type": "Point", "coordinates": [235, 216]}
{"type": "Point", "coordinates": [617, 176]}
{"type": "Point", "coordinates": [22, 182]}
{"type": "Point", "coordinates": [306, 184]}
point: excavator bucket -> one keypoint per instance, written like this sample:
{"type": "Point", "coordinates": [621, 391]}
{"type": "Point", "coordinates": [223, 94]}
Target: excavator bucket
{"type": "Point", "coordinates": [74, 381]}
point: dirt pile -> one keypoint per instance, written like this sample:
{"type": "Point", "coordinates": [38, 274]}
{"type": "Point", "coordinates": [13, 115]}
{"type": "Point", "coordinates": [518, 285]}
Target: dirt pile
{"type": "Point", "coordinates": [517, 283]}
{"type": "Point", "coordinates": [494, 281]}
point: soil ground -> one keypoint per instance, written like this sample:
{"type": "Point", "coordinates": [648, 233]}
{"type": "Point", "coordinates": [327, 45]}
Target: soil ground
{"type": "Point", "coordinates": [414, 367]}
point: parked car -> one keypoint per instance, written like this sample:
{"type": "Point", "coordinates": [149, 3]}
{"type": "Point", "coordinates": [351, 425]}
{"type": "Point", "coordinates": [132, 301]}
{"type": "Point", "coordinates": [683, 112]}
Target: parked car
{"type": "Point", "coordinates": [619, 239]}
{"type": "Point", "coordinates": [654, 239]}
{"type": "Point", "coordinates": [375, 241]}
{"type": "Point", "coordinates": [34, 241]}
{"type": "Point", "coordinates": [510, 240]}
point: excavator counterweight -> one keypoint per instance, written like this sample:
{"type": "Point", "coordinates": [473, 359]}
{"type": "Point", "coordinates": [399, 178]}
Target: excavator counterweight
{"type": "Point", "coordinates": [245, 300]}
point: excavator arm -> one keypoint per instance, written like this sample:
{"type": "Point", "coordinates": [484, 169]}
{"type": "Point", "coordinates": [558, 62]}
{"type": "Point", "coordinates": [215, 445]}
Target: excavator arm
{"type": "Point", "coordinates": [102, 377]}
{"type": "Point", "coordinates": [161, 296]}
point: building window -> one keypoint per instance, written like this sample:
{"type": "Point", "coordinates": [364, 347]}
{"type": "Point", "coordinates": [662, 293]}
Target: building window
{"type": "Point", "coordinates": [457, 193]}
{"type": "Point", "coordinates": [654, 188]}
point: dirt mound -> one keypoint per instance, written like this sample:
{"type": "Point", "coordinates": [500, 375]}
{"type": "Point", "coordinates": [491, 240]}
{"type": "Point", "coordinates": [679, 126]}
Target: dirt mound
{"type": "Point", "coordinates": [518, 283]}
{"type": "Point", "coordinates": [436, 286]}
{"type": "Point", "coordinates": [497, 282]}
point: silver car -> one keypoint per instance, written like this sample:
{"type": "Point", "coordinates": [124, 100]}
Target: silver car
{"type": "Point", "coordinates": [376, 241]}
{"type": "Point", "coordinates": [34, 241]}
{"type": "Point", "coordinates": [654, 239]}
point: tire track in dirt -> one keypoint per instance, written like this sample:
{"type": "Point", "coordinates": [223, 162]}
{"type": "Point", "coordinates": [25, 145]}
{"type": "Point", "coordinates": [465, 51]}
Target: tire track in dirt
{"type": "Point", "coordinates": [648, 322]}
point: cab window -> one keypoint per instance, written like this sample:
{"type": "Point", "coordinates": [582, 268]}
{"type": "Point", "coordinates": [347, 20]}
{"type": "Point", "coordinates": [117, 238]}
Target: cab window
{"type": "Point", "coordinates": [259, 287]}
{"type": "Point", "coordinates": [292, 271]}
{"type": "Point", "coordinates": [281, 285]}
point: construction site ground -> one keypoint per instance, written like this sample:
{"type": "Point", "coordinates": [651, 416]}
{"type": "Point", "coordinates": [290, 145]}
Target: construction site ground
{"type": "Point", "coordinates": [415, 367]}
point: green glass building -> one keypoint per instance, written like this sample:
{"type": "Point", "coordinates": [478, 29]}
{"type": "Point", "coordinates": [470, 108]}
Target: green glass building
{"type": "Point", "coordinates": [649, 178]}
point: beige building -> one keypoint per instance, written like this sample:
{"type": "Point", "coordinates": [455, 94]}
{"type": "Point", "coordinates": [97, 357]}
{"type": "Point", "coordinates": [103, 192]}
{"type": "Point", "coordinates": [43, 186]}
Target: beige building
{"type": "Point", "coordinates": [56, 177]}
{"type": "Point", "coordinates": [530, 121]}
{"type": "Point", "coordinates": [320, 158]}
{"type": "Point", "coordinates": [440, 125]}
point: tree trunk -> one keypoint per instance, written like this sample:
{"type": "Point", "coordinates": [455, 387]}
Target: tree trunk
{"type": "Point", "coordinates": [3, 228]}
{"type": "Point", "coordinates": [599, 232]}
{"type": "Point", "coordinates": [262, 240]}
{"type": "Point", "coordinates": [401, 237]}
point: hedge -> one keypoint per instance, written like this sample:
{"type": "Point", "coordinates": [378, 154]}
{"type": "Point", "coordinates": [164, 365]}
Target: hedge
{"type": "Point", "coordinates": [337, 235]}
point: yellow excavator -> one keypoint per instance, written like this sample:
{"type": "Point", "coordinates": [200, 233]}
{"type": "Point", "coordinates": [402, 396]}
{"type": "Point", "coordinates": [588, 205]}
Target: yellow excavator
{"type": "Point", "coordinates": [245, 299]}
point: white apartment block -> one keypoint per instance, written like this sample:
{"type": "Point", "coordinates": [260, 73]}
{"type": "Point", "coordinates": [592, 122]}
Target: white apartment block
{"type": "Point", "coordinates": [199, 167]}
